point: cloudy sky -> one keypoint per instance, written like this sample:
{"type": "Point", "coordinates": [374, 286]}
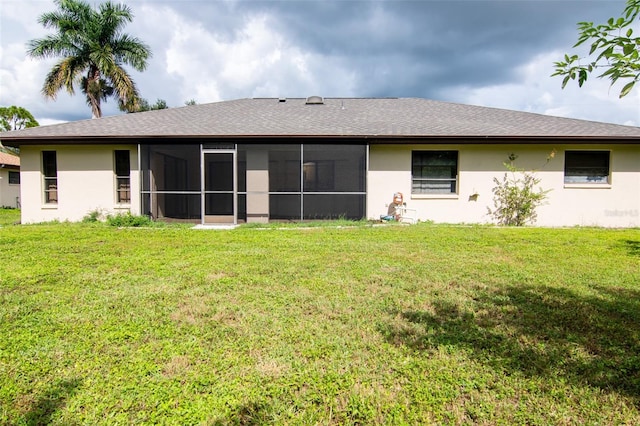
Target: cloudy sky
{"type": "Point", "coordinates": [497, 53]}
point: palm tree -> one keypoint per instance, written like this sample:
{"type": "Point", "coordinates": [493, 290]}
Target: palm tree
{"type": "Point", "coordinates": [93, 50]}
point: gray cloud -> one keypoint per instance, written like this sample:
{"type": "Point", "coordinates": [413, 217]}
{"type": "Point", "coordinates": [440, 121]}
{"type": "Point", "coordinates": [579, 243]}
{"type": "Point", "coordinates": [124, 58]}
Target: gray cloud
{"type": "Point", "coordinates": [421, 48]}
{"type": "Point", "coordinates": [432, 49]}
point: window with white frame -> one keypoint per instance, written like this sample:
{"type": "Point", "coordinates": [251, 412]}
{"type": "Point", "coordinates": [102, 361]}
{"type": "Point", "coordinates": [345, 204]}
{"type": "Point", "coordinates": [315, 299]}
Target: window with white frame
{"type": "Point", "coordinates": [587, 167]}
{"type": "Point", "coordinates": [122, 170]}
{"type": "Point", "coordinates": [434, 172]}
{"type": "Point", "coordinates": [50, 177]}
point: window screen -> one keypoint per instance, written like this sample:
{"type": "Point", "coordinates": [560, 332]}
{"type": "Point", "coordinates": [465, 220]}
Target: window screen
{"type": "Point", "coordinates": [434, 172]}
{"type": "Point", "coordinates": [50, 177]}
{"type": "Point", "coordinates": [586, 167]}
{"type": "Point", "coordinates": [123, 176]}
{"type": "Point", "coordinates": [14, 178]}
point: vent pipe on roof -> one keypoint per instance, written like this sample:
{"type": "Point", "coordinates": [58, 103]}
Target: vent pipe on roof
{"type": "Point", "coordinates": [315, 100]}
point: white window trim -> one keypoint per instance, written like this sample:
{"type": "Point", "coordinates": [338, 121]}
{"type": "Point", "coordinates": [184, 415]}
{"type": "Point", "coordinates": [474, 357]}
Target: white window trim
{"type": "Point", "coordinates": [435, 196]}
{"type": "Point", "coordinates": [44, 178]}
{"type": "Point", "coordinates": [588, 185]}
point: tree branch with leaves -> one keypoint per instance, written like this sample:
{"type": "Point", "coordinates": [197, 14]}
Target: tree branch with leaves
{"type": "Point", "coordinates": [616, 49]}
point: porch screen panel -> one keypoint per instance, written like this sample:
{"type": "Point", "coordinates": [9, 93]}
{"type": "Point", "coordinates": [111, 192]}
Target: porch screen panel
{"type": "Point", "coordinates": [334, 168]}
{"type": "Point", "coordinates": [178, 206]}
{"type": "Point", "coordinates": [171, 184]}
{"type": "Point", "coordinates": [284, 206]}
{"type": "Point", "coordinates": [170, 167]}
{"type": "Point", "coordinates": [308, 181]}
{"type": "Point", "coordinates": [241, 172]}
{"type": "Point", "coordinates": [242, 207]}
{"type": "Point", "coordinates": [241, 169]}
{"type": "Point", "coordinates": [333, 181]}
{"type": "Point", "coordinates": [284, 168]}
{"type": "Point", "coordinates": [333, 206]}
{"type": "Point", "coordinates": [218, 204]}
{"type": "Point", "coordinates": [284, 181]}
{"type": "Point", "coordinates": [146, 203]}
{"type": "Point", "coordinates": [145, 168]}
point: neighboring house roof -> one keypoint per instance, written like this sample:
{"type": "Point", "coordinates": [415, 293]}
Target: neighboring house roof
{"type": "Point", "coordinates": [9, 160]}
{"type": "Point", "coordinates": [378, 119]}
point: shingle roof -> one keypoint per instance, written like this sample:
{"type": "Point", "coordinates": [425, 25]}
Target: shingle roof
{"type": "Point", "coordinates": [336, 117]}
{"type": "Point", "coordinates": [9, 159]}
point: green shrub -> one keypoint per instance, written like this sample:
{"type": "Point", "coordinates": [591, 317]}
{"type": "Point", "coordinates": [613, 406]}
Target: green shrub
{"type": "Point", "coordinates": [93, 216]}
{"type": "Point", "coordinates": [123, 220]}
{"type": "Point", "coordinates": [515, 198]}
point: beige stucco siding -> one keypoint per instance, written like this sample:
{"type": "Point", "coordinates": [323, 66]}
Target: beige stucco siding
{"type": "Point", "coordinates": [86, 182]}
{"type": "Point", "coordinates": [9, 193]}
{"type": "Point", "coordinates": [614, 205]}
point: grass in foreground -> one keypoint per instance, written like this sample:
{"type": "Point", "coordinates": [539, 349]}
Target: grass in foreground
{"type": "Point", "coordinates": [389, 325]}
{"type": "Point", "coordinates": [9, 216]}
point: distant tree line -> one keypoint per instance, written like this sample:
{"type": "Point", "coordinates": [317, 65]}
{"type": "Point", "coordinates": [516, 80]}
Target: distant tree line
{"type": "Point", "coordinates": [16, 118]}
{"type": "Point", "coordinates": [144, 105]}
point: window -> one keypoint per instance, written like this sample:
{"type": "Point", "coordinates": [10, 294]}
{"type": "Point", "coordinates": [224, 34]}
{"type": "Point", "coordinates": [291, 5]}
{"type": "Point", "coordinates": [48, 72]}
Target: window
{"type": "Point", "coordinates": [50, 176]}
{"type": "Point", "coordinates": [14, 178]}
{"type": "Point", "coordinates": [590, 167]}
{"type": "Point", "coordinates": [434, 172]}
{"type": "Point", "coordinates": [123, 177]}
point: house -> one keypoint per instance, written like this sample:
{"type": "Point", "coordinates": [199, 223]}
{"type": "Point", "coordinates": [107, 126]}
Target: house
{"type": "Point", "coordinates": [9, 180]}
{"type": "Point", "coordinates": [258, 160]}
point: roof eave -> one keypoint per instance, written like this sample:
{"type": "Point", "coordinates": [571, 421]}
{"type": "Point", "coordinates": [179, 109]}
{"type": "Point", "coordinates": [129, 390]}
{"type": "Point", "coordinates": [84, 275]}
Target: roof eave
{"type": "Point", "coordinates": [372, 139]}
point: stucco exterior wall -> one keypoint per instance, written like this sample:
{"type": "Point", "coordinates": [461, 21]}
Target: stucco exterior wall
{"type": "Point", "coordinates": [614, 205]}
{"type": "Point", "coordinates": [9, 193]}
{"type": "Point", "coordinates": [86, 182]}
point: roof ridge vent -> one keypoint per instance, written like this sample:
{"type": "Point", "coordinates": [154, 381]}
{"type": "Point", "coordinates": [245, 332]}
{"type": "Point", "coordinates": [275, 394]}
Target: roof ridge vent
{"type": "Point", "coordinates": [314, 100]}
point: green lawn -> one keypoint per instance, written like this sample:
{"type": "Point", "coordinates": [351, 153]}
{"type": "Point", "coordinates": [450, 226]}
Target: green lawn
{"type": "Point", "coordinates": [414, 324]}
{"type": "Point", "coordinates": [9, 216]}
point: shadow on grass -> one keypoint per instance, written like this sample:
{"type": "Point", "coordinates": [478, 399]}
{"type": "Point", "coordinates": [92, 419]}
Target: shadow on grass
{"type": "Point", "coordinates": [54, 398]}
{"type": "Point", "coordinates": [548, 332]}
{"type": "Point", "coordinates": [633, 247]}
{"type": "Point", "coordinates": [254, 413]}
